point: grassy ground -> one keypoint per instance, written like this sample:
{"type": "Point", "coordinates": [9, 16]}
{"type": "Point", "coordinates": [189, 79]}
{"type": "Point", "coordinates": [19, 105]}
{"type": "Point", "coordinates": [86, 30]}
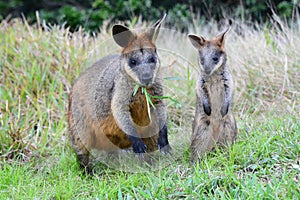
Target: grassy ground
{"type": "Point", "coordinates": [39, 66]}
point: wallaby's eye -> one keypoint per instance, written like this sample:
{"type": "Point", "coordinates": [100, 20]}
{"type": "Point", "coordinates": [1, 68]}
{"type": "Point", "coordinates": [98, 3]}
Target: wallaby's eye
{"type": "Point", "coordinates": [132, 62]}
{"type": "Point", "coordinates": [151, 60]}
{"type": "Point", "coordinates": [215, 59]}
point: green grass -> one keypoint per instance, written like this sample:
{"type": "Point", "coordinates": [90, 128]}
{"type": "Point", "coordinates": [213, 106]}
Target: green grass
{"type": "Point", "coordinates": [39, 66]}
{"type": "Point", "coordinates": [262, 164]}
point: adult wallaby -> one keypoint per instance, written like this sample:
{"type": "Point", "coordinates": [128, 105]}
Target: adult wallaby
{"type": "Point", "coordinates": [103, 112]}
{"type": "Point", "coordinates": [214, 122]}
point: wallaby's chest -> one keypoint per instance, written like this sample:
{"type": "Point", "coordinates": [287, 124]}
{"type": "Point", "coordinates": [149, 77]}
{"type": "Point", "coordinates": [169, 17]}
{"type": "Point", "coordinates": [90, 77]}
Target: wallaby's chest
{"type": "Point", "coordinates": [216, 92]}
{"type": "Point", "coordinates": [139, 109]}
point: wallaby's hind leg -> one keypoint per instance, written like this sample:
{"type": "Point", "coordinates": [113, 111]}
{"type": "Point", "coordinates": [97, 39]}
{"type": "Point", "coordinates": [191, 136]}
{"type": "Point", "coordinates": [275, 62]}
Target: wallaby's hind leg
{"type": "Point", "coordinates": [83, 159]}
{"type": "Point", "coordinates": [202, 139]}
{"type": "Point", "coordinates": [81, 150]}
{"type": "Point", "coordinates": [228, 131]}
{"type": "Point", "coordinates": [80, 137]}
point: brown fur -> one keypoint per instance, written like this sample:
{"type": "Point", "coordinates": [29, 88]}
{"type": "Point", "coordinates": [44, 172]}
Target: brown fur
{"type": "Point", "coordinates": [116, 136]}
{"type": "Point", "coordinates": [140, 41]}
{"type": "Point", "coordinates": [139, 110]}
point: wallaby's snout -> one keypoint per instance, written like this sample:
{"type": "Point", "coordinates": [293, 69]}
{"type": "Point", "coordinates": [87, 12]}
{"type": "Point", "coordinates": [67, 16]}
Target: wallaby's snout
{"type": "Point", "coordinates": [148, 73]}
{"type": "Point", "coordinates": [147, 79]}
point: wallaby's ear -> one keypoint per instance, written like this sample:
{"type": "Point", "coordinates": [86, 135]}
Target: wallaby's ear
{"type": "Point", "coordinates": [154, 30]}
{"type": "Point", "coordinates": [122, 35]}
{"type": "Point", "coordinates": [197, 41]}
{"type": "Point", "coordinates": [220, 39]}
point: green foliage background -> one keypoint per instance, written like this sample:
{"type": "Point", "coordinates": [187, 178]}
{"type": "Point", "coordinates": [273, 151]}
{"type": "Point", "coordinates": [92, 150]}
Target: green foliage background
{"type": "Point", "coordinates": [91, 14]}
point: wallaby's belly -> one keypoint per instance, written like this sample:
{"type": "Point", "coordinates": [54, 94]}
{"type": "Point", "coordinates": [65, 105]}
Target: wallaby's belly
{"type": "Point", "coordinates": [216, 95]}
{"type": "Point", "coordinates": [215, 122]}
{"type": "Point", "coordinates": [108, 135]}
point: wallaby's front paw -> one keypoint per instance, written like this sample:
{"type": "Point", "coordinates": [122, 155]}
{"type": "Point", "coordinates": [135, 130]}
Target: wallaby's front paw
{"type": "Point", "coordinates": [224, 110]}
{"type": "Point", "coordinates": [139, 146]}
{"type": "Point", "coordinates": [207, 109]}
{"type": "Point", "coordinates": [163, 143]}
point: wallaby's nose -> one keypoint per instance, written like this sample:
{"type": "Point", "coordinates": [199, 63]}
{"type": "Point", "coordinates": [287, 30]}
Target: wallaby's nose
{"type": "Point", "coordinates": [207, 71]}
{"type": "Point", "coordinates": [147, 78]}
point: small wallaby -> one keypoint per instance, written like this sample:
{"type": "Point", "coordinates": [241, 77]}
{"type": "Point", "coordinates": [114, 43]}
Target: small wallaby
{"type": "Point", "coordinates": [103, 112]}
{"type": "Point", "coordinates": [214, 122]}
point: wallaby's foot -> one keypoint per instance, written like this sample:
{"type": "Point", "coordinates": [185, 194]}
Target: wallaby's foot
{"type": "Point", "coordinates": [193, 159]}
{"type": "Point", "coordinates": [83, 160]}
{"type": "Point", "coordinates": [140, 156]}
{"type": "Point", "coordinates": [86, 169]}
{"type": "Point", "coordinates": [163, 143]}
{"type": "Point", "coordinates": [195, 155]}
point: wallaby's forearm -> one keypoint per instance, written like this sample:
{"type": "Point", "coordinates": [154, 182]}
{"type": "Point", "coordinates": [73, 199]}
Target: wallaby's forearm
{"type": "Point", "coordinates": [160, 114]}
{"type": "Point", "coordinates": [161, 118]}
{"type": "Point", "coordinates": [205, 97]}
{"type": "Point", "coordinates": [228, 92]}
{"type": "Point", "coordinates": [160, 108]}
{"type": "Point", "coordinates": [121, 113]}
{"type": "Point", "coordinates": [124, 119]}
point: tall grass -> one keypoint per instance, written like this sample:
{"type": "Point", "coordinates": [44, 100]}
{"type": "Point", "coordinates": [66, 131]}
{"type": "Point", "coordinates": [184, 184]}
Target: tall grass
{"type": "Point", "coordinates": [39, 64]}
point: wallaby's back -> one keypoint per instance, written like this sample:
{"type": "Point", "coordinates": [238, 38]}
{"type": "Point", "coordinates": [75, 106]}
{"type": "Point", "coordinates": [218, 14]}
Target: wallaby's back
{"type": "Point", "coordinates": [94, 86]}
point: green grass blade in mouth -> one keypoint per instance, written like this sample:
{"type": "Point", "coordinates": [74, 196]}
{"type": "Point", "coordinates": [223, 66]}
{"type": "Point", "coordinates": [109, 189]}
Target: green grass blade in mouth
{"type": "Point", "coordinates": [173, 101]}
{"type": "Point", "coordinates": [149, 101]}
{"type": "Point", "coordinates": [135, 90]}
{"type": "Point", "coordinates": [148, 98]}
